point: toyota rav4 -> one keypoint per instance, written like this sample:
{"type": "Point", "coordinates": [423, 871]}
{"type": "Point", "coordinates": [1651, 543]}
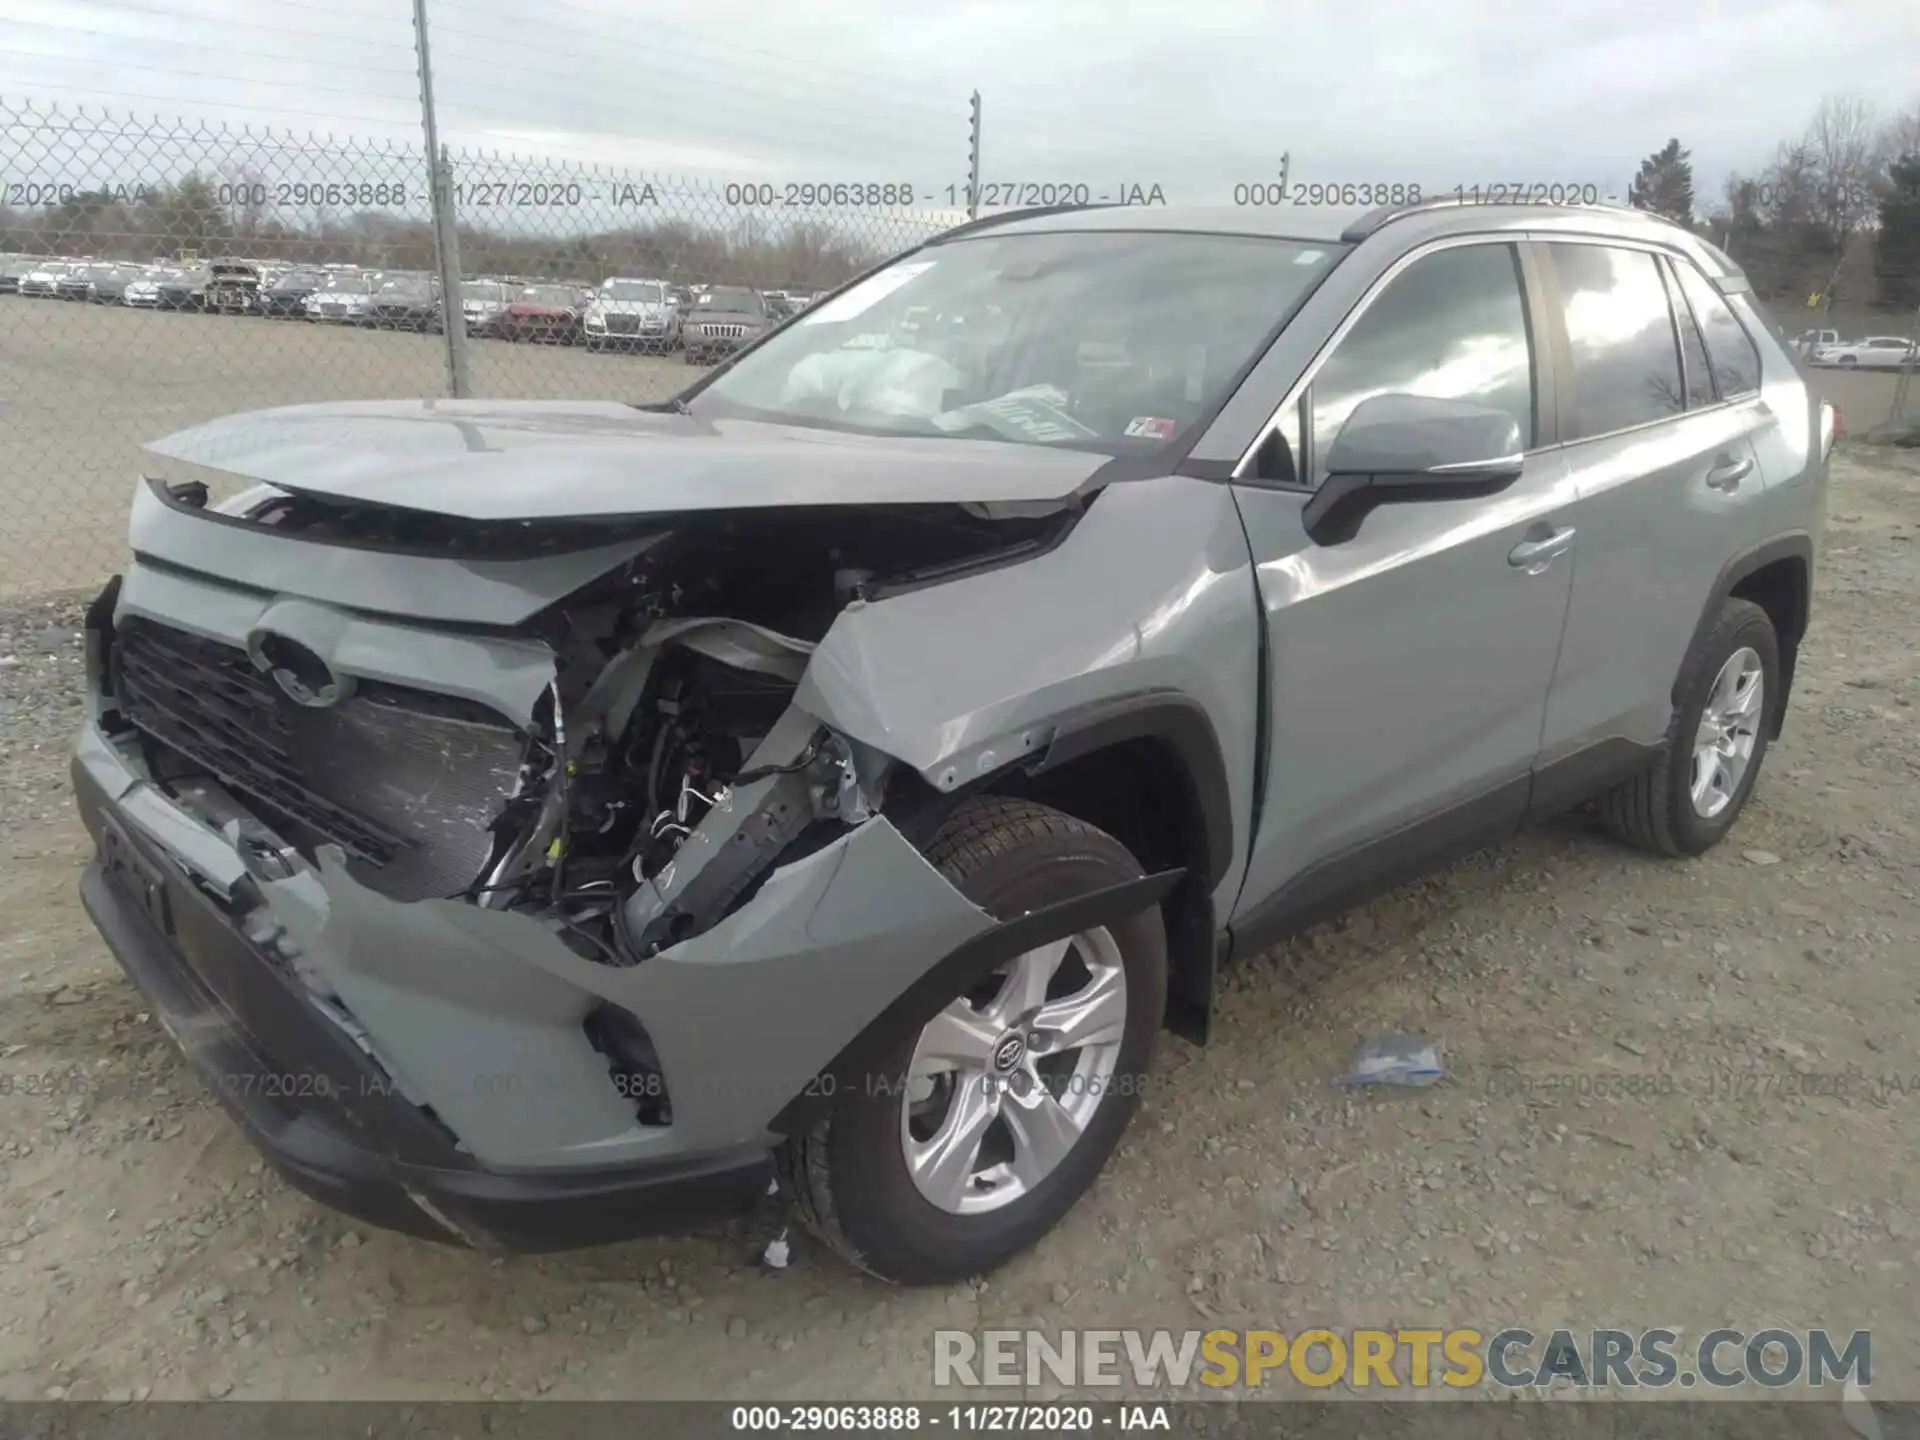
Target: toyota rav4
{"type": "Point", "coordinates": [551, 822]}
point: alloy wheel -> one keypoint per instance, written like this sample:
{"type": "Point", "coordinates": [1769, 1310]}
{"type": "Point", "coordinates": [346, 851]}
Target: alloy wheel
{"type": "Point", "coordinates": [1724, 740]}
{"type": "Point", "coordinates": [1006, 1079]}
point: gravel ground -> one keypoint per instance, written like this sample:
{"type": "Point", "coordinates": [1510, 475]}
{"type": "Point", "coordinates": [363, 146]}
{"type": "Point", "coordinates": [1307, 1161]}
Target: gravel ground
{"type": "Point", "coordinates": [143, 1251]}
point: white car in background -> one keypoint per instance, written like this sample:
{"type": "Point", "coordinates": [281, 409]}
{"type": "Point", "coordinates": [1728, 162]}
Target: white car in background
{"type": "Point", "coordinates": [632, 314]}
{"type": "Point", "coordinates": [45, 281]}
{"type": "Point", "coordinates": [1809, 343]}
{"type": "Point", "coordinates": [144, 293]}
{"type": "Point", "coordinates": [1875, 352]}
{"type": "Point", "coordinates": [346, 298]}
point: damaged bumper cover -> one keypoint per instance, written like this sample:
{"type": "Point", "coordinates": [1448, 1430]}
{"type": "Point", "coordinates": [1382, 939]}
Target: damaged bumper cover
{"type": "Point", "coordinates": [452, 1092]}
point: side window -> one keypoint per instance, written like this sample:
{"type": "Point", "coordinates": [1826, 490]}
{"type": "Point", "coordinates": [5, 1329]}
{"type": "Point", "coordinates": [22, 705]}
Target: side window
{"type": "Point", "coordinates": [1736, 360]}
{"type": "Point", "coordinates": [1452, 325]}
{"type": "Point", "coordinates": [1693, 350]}
{"type": "Point", "coordinates": [1626, 362]}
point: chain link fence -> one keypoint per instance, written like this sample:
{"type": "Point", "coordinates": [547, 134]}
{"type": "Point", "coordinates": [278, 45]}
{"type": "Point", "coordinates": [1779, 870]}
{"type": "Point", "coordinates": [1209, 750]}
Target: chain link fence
{"type": "Point", "coordinates": [155, 274]}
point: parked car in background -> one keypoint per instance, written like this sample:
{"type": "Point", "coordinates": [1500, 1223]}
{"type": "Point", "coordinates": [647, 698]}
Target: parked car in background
{"type": "Point", "coordinates": [725, 317]}
{"type": "Point", "coordinates": [233, 287]}
{"type": "Point", "coordinates": [1874, 352]}
{"type": "Point", "coordinates": [74, 284]}
{"type": "Point", "coordinates": [186, 289]}
{"type": "Point", "coordinates": [406, 302]}
{"type": "Point", "coordinates": [13, 268]}
{"type": "Point", "coordinates": [144, 293]}
{"type": "Point", "coordinates": [482, 303]}
{"type": "Point", "coordinates": [285, 295]}
{"type": "Point", "coordinates": [544, 314]}
{"type": "Point", "coordinates": [107, 284]}
{"type": "Point", "coordinates": [346, 298]}
{"type": "Point", "coordinates": [632, 315]}
{"type": "Point", "coordinates": [43, 280]}
{"type": "Point", "coordinates": [1809, 343]}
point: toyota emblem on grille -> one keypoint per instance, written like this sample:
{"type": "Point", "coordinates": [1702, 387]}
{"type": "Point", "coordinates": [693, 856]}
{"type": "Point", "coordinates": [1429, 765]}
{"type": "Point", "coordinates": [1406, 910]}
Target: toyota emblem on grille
{"type": "Point", "coordinates": [302, 675]}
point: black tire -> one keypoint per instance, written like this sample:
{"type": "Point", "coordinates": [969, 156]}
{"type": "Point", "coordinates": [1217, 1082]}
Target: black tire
{"type": "Point", "coordinates": [847, 1177]}
{"type": "Point", "coordinates": [1848, 362]}
{"type": "Point", "coordinates": [1654, 810]}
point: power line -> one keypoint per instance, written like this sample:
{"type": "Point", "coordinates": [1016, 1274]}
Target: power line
{"type": "Point", "coordinates": [223, 22]}
{"type": "Point", "coordinates": [200, 45]}
{"type": "Point", "coordinates": [857, 128]}
{"type": "Point", "coordinates": [638, 43]}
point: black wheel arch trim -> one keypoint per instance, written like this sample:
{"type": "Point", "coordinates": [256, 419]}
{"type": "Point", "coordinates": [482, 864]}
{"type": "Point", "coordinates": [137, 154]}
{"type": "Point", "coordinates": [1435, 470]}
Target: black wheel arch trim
{"type": "Point", "coordinates": [1741, 567]}
{"type": "Point", "coordinates": [1182, 723]}
{"type": "Point", "coordinates": [854, 1068]}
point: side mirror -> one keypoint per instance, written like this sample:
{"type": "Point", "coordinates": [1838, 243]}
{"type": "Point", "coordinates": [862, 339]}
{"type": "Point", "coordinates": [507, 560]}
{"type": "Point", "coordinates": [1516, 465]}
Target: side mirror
{"type": "Point", "coordinates": [1399, 448]}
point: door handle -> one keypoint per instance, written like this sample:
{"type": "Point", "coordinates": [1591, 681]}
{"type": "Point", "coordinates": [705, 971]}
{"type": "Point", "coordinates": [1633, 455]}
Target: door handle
{"type": "Point", "coordinates": [1534, 556]}
{"type": "Point", "coordinates": [1727, 473]}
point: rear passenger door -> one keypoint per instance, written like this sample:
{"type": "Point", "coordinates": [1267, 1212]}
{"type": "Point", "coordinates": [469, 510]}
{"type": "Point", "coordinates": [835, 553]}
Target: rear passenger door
{"type": "Point", "coordinates": [1658, 408]}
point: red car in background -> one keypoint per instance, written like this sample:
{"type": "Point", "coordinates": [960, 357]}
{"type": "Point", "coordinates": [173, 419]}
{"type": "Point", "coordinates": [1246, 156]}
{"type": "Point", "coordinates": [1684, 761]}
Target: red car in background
{"type": "Point", "coordinates": [544, 314]}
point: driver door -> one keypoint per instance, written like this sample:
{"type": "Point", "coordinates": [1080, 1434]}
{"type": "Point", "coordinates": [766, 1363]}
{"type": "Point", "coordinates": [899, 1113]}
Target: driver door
{"type": "Point", "coordinates": [1407, 668]}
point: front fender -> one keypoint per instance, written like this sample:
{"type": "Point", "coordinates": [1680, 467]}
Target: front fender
{"type": "Point", "coordinates": [1150, 596]}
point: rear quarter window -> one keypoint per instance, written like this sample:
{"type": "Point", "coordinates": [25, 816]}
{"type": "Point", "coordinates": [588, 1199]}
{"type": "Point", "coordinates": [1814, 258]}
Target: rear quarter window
{"type": "Point", "coordinates": [1730, 350]}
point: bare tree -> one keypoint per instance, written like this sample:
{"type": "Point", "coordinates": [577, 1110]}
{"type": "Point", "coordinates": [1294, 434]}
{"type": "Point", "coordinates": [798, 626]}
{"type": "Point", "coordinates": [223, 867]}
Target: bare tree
{"type": "Point", "coordinates": [1844, 142]}
{"type": "Point", "coordinates": [1900, 136]}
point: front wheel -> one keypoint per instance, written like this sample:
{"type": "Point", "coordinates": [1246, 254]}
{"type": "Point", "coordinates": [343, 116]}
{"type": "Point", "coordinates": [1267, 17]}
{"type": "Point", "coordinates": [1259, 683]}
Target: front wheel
{"type": "Point", "coordinates": [977, 1133]}
{"type": "Point", "coordinates": [1715, 742]}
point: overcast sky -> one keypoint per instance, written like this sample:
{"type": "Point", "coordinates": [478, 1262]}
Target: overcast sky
{"type": "Point", "coordinates": [1193, 96]}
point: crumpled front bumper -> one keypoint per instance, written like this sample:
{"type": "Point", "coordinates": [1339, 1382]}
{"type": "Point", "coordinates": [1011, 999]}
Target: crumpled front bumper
{"type": "Point", "coordinates": [439, 1080]}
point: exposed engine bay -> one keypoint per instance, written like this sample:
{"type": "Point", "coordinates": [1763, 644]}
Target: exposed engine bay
{"type": "Point", "coordinates": [668, 722]}
{"type": "Point", "coordinates": [664, 774]}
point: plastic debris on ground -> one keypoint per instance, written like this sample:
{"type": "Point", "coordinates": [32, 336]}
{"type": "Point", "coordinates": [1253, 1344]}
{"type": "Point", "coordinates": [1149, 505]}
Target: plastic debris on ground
{"type": "Point", "coordinates": [1403, 1060]}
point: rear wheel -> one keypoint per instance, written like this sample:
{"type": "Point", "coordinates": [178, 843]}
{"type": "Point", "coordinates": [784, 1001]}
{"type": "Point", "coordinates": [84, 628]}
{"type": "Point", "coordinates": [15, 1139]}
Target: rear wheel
{"type": "Point", "coordinates": [1715, 743]}
{"type": "Point", "coordinates": [980, 1131]}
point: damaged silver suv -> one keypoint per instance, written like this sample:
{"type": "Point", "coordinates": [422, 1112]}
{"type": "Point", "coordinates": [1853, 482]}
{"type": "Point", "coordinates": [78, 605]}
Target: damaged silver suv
{"type": "Point", "coordinates": [551, 822]}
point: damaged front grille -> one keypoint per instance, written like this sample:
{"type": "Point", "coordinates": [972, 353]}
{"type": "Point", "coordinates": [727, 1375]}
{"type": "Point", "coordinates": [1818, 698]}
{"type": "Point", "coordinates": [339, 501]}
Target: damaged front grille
{"type": "Point", "coordinates": [408, 784]}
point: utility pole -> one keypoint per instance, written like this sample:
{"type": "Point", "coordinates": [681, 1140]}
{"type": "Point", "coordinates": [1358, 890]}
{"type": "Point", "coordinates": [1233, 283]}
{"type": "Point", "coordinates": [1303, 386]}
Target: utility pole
{"type": "Point", "coordinates": [446, 238]}
{"type": "Point", "coordinates": [973, 159]}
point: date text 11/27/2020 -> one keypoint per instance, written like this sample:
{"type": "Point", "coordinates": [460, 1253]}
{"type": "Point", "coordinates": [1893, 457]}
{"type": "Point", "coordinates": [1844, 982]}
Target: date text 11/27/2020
{"type": "Point", "coordinates": [1368, 193]}
{"type": "Point", "coordinates": [995, 195]}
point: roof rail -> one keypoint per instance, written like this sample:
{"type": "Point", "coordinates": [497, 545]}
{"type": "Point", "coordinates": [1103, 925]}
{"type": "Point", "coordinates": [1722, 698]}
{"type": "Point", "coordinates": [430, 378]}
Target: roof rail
{"type": "Point", "coordinates": [1368, 223]}
{"type": "Point", "coordinates": [1031, 212]}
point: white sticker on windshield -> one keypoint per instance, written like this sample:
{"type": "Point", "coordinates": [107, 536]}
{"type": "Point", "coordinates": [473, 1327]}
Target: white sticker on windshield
{"type": "Point", "coordinates": [864, 296]}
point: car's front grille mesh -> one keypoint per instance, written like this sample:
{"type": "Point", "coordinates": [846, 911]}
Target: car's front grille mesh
{"type": "Point", "coordinates": [723, 332]}
{"type": "Point", "coordinates": [207, 701]}
{"type": "Point", "coordinates": [407, 783]}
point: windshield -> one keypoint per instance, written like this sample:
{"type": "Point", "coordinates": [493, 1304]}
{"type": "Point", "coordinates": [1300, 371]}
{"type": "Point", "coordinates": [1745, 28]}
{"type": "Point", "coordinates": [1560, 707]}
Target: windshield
{"type": "Point", "coordinates": [484, 290]}
{"type": "Point", "coordinates": [299, 280]}
{"type": "Point", "coordinates": [547, 295]}
{"type": "Point", "coordinates": [406, 286]}
{"type": "Point", "coordinates": [643, 291]}
{"type": "Point", "coordinates": [350, 284]}
{"type": "Point", "coordinates": [1114, 342]}
{"type": "Point", "coordinates": [730, 301]}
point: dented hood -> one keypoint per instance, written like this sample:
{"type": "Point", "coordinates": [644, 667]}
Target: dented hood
{"type": "Point", "coordinates": [508, 460]}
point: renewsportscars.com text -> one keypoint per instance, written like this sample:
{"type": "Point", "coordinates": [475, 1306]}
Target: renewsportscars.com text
{"type": "Point", "coordinates": [1513, 1358]}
